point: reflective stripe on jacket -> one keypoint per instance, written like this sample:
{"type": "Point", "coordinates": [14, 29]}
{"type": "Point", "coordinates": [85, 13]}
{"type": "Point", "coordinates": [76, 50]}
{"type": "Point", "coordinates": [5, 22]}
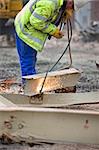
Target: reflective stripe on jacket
{"type": "Point", "coordinates": [35, 21]}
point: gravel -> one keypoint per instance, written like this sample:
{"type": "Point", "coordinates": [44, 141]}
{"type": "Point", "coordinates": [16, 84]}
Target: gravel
{"type": "Point", "coordinates": [84, 55]}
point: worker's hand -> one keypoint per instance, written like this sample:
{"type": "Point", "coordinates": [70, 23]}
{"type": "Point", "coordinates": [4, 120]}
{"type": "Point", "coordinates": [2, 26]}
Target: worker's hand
{"type": "Point", "coordinates": [58, 34]}
{"type": "Point", "coordinates": [67, 15]}
{"type": "Point", "coordinates": [69, 10]}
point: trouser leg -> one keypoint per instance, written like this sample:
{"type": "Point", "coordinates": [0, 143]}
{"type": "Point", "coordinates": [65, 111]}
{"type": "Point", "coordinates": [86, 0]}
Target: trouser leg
{"type": "Point", "coordinates": [27, 57]}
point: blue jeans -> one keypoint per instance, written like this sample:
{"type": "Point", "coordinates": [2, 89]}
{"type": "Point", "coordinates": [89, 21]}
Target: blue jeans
{"type": "Point", "coordinates": [27, 57]}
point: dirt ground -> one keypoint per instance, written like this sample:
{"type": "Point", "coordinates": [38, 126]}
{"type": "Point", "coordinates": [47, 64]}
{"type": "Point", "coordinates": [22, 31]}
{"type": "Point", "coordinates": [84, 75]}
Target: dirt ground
{"type": "Point", "coordinates": [84, 56]}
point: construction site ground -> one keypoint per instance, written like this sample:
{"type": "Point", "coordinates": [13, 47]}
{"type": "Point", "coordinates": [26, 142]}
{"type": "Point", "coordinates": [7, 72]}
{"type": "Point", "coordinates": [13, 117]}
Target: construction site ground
{"type": "Point", "coordinates": [84, 55]}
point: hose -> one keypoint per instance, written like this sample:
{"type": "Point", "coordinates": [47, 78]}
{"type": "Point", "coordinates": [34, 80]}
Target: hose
{"type": "Point", "coordinates": [69, 32]}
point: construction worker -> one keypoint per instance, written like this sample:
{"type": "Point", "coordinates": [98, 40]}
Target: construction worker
{"type": "Point", "coordinates": [33, 24]}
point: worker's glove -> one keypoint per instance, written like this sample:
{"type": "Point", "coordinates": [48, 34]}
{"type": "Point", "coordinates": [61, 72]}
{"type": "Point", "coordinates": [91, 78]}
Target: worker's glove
{"type": "Point", "coordinates": [67, 15]}
{"type": "Point", "coordinates": [58, 34]}
{"type": "Point", "coordinates": [69, 10]}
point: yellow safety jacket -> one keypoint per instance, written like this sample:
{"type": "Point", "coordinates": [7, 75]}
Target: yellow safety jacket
{"type": "Point", "coordinates": [35, 21]}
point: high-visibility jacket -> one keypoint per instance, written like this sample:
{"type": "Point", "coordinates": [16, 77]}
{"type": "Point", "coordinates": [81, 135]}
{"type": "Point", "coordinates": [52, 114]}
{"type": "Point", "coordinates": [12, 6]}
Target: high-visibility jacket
{"type": "Point", "coordinates": [35, 21]}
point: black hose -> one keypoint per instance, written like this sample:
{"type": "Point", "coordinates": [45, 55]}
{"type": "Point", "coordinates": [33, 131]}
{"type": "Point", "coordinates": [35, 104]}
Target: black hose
{"type": "Point", "coordinates": [68, 46]}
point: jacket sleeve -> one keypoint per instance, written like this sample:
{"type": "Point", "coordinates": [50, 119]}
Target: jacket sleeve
{"type": "Point", "coordinates": [40, 18]}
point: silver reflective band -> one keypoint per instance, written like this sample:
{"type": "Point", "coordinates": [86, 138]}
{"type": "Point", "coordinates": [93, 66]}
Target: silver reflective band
{"type": "Point", "coordinates": [39, 16]}
{"type": "Point", "coordinates": [56, 3]}
{"type": "Point", "coordinates": [34, 2]}
{"type": "Point", "coordinates": [45, 27]}
{"type": "Point", "coordinates": [29, 36]}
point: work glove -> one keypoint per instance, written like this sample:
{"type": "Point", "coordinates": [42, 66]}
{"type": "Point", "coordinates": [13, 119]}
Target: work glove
{"type": "Point", "coordinates": [69, 10]}
{"type": "Point", "coordinates": [58, 34]}
{"type": "Point", "coordinates": [67, 15]}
